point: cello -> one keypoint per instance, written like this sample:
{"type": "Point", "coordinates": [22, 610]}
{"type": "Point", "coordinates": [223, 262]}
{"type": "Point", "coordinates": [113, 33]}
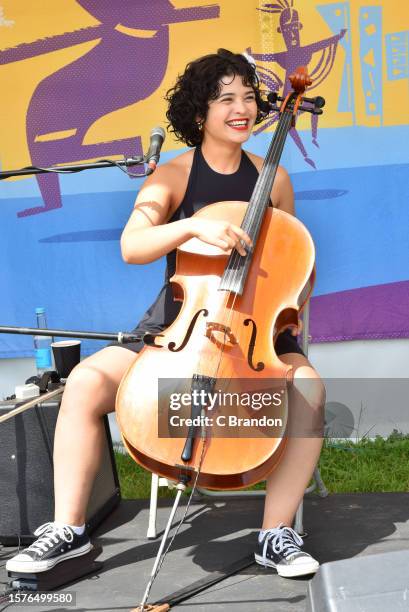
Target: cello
{"type": "Point", "coordinates": [224, 330]}
{"type": "Point", "coordinates": [233, 309]}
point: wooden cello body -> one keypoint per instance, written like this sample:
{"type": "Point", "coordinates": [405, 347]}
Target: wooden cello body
{"type": "Point", "coordinates": [233, 309]}
{"type": "Point", "coordinates": [228, 462]}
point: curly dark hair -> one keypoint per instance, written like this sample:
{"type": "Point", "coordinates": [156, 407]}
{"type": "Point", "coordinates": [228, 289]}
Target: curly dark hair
{"type": "Point", "coordinates": [199, 84]}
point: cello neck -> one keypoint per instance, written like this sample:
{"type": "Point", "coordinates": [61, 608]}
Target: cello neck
{"type": "Point", "coordinates": [260, 198]}
{"type": "Point", "coordinates": [235, 274]}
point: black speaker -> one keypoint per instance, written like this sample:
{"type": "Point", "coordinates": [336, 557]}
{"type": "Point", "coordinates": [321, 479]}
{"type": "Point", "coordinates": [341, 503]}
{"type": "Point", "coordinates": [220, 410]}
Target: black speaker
{"type": "Point", "coordinates": [26, 474]}
{"type": "Point", "coordinates": [370, 583]}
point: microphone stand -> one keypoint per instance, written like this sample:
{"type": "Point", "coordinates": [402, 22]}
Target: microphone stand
{"type": "Point", "coordinates": [72, 168]}
{"type": "Point", "coordinates": [121, 337]}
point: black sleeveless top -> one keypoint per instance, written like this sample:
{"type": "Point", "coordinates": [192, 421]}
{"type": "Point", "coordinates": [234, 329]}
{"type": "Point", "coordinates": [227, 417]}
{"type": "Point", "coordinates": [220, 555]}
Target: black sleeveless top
{"type": "Point", "coordinates": [205, 186]}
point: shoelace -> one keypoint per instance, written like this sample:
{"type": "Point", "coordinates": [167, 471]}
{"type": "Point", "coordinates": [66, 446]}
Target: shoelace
{"type": "Point", "coordinates": [48, 535]}
{"type": "Point", "coordinates": [282, 538]}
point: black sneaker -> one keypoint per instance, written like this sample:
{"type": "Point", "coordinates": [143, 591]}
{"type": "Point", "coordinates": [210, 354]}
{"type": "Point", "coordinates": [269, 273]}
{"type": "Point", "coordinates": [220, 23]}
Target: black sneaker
{"type": "Point", "coordinates": [55, 543]}
{"type": "Point", "coordinates": [280, 548]}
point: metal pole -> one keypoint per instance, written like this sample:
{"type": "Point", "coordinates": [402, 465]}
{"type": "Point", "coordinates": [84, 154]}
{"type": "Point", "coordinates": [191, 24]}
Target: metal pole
{"type": "Point", "coordinates": [180, 488]}
{"type": "Point", "coordinates": [121, 337]}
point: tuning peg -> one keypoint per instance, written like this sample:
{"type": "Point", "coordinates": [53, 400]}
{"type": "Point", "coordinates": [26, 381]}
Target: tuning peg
{"type": "Point", "coordinates": [273, 97]}
{"type": "Point", "coordinates": [266, 107]}
{"type": "Point", "coordinates": [311, 109]}
{"type": "Point", "coordinates": [319, 102]}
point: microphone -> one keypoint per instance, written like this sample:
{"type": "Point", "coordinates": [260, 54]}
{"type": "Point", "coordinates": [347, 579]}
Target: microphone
{"type": "Point", "coordinates": [155, 145]}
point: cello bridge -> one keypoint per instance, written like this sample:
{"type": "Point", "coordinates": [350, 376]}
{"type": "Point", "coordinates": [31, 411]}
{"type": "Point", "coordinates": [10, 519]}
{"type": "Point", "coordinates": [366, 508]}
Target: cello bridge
{"type": "Point", "coordinates": [220, 334]}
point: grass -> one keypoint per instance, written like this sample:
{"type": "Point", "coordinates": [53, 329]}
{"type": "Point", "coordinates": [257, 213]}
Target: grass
{"type": "Point", "coordinates": [368, 466]}
{"type": "Point", "coordinates": [365, 466]}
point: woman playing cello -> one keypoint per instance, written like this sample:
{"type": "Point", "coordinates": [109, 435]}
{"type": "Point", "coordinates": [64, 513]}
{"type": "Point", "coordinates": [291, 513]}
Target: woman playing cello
{"type": "Point", "coordinates": [212, 108]}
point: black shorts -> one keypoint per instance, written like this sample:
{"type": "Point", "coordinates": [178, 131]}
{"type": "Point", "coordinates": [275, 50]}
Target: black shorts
{"type": "Point", "coordinates": [285, 343]}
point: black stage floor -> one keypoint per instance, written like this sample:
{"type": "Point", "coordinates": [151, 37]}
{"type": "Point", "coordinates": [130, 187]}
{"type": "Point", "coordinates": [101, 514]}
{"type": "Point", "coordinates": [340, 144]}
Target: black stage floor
{"type": "Point", "coordinates": [218, 532]}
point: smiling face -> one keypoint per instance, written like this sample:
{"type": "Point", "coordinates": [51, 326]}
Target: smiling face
{"type": "Point", "coordinates": [231, 116]}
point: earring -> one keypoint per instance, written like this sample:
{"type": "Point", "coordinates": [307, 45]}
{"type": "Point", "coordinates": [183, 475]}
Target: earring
{"type": "Point", "coordinates": [199, 125]}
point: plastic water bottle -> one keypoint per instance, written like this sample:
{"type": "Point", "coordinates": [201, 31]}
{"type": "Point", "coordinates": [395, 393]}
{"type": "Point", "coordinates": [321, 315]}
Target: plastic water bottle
{"type": "Point", "coordinates": [42, 345]}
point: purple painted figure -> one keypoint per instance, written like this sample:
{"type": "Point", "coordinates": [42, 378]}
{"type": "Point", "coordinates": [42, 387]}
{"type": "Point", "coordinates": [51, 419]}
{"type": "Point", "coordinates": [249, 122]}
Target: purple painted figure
{"type": "Point", "coordinates": [123, 68]}
{"type": "Point", "coordinates": [295, 56]}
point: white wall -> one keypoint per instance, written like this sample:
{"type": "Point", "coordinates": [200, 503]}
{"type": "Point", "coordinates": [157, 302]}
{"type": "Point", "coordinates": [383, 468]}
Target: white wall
{"type": "Point", "coordinates": [370, 359]}
{"type": "Point", "coordinates": [362, 358]}
{"type": "Point", "coordinates": [374, 385]}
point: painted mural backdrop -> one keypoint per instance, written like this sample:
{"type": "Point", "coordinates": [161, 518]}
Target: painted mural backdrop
{"type": "Point", "coordinates": [85, 79]}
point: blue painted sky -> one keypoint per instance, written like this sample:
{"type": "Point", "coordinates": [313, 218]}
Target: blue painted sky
{"type": "Point", "coordinates": [68, 260]}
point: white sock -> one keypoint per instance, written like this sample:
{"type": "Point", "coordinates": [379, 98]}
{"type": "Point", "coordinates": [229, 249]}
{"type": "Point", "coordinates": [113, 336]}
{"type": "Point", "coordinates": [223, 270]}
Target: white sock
{"type": "Point", "coordinates": [261, 535]}
{"type": "Point", "coordinates": [77, 529]}
{"type": "Point", "coordinates": [263, 532]}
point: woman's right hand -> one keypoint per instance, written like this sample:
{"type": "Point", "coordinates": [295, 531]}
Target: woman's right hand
{"type": "Point", "coordinates": [222, 234]}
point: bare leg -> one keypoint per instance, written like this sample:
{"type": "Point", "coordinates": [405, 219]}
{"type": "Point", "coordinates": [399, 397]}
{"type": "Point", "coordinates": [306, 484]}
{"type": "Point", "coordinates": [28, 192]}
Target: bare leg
{"type": "Point", "coordinates": [287, 483]}
{"type": "Point", "coordinates": [89, 394]}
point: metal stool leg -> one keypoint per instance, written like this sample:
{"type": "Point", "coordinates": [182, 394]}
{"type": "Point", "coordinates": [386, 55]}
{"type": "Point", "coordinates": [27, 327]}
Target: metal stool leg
{"type": "Point", "coordinates": [318, 482]}
{"type": "Point", "coordinates": [151, 533]}
{"type": "Point", "coordinates": [322, 492]}
{"type": "Point", "coordinates": [298, 519]}
{"type": "Point", "coordinates": [156, 482]}
{"type": "Point", "coordinates": [322, 489]}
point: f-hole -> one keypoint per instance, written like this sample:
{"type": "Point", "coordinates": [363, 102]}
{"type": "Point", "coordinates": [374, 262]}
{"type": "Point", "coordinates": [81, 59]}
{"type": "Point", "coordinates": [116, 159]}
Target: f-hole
{"type": "Point", "coordinates": [172, 345]}
{"type": "Point", "coordinates": [260, 364]}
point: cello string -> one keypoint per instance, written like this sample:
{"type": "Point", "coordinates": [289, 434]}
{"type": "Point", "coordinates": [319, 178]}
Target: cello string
{"type": "Point", "coordinates": [262, 190]}
{"type": "Point", "coordinates": [281, 134]}
{"type": "Point", "coordinates": [256, 216]}
{"type": "Point", "coordinates": [265, 189]}
{"type": "Point", "coordinates": [255, 213]}
{"type": "Point", "coordinates": [234, 272]}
